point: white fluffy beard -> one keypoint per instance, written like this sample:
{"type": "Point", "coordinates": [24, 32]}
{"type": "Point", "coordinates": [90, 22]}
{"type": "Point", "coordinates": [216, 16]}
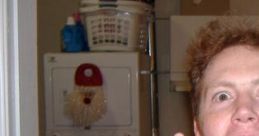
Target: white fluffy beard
{"type": "Point", "coordinates": [85, 105]}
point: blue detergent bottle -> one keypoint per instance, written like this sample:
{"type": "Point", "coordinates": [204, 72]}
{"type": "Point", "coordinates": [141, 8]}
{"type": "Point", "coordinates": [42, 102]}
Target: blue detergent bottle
{"type": "Point", "coordinates": [72, 37]}
{"type": "Point", "coordinates": [82, 28]}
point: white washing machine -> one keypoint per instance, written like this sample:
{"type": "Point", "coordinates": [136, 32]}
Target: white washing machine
{"type": "Point", "coordinates": [125, 89]}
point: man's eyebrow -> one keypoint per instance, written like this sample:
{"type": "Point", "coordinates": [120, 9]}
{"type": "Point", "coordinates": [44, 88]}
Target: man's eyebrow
{"type": "Point", "coordinates": [230, 84]}
{"type": "Point", "coordinates": [223, 83]}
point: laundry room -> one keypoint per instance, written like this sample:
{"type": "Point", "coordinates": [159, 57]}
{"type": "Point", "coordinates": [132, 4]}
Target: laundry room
{"type": "Point", "coordinates": [141, 85]}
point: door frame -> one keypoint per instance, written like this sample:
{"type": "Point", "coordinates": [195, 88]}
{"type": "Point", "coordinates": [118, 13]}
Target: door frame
{"type": "Point", "coordinates": [18, 68]}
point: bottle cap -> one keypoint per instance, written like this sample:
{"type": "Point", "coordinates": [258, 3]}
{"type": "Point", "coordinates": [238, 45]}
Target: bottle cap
{"type": "Point", "coordinates": [77, 17]}
{"type": "Point", "coordinates": [70, 20]}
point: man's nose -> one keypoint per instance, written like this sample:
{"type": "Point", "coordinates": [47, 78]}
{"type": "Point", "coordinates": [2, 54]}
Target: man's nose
{"type": "Point", "coordinates": [245, 112]}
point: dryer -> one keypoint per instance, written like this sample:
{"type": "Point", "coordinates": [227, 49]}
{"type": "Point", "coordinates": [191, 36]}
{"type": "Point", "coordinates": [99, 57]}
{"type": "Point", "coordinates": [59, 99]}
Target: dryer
{"type": "Point", "coordinates": [125, 89]}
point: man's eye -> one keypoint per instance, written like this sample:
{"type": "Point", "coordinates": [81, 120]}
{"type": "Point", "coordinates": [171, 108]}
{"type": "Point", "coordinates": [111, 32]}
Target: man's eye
{"type": "Point", "coordinates": [222, 96]}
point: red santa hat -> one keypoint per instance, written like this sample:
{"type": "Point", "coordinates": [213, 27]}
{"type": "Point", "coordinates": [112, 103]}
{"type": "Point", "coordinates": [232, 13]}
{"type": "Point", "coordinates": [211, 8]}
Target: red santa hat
{"type": "Point", "coordinates": [88, 75]}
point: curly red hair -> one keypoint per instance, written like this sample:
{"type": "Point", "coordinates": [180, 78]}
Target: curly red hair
{"type": "Point", "coordinates": [214, 37]}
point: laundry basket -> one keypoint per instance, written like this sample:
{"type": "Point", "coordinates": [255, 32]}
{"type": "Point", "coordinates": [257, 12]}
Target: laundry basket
{"type": "Point", "coordinates": [116, 26]}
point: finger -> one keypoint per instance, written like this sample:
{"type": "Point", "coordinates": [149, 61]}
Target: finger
{"type": "Point", "coordinates": [179, 134]}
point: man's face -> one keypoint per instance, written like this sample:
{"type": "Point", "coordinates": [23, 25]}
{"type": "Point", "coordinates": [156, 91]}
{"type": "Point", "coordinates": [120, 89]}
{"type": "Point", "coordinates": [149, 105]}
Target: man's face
{"type": "Point", "coordinates": [230, 95]}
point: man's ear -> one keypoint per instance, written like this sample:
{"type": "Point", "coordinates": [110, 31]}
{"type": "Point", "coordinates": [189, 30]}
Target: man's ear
{"type": "Point", "coordinates": [197, 130]}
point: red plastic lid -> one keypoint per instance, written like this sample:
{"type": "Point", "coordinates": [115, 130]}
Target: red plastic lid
{"type": "Point", "coordinates": [88, 75]}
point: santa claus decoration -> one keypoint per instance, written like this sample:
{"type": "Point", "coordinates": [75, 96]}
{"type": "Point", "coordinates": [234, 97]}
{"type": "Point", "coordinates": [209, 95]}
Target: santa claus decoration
{"type": "Point", "coordinates": [86, 104]}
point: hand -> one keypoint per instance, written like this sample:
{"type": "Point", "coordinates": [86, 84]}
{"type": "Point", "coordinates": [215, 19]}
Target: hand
{"type": "Point", "coordinates": [178, 134]}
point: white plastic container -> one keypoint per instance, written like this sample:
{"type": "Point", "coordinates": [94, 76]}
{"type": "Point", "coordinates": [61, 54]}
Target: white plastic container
{"type": "Point", "coordinates": [116, 26]}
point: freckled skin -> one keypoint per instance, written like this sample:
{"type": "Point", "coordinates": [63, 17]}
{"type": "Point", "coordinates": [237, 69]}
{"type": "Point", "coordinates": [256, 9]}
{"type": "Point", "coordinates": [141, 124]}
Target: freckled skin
{"type": "Point", "coordinates": [230, 94]}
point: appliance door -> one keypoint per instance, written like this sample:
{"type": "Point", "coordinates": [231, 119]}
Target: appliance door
{"type": "Point", "coordinates": [120, 72]}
